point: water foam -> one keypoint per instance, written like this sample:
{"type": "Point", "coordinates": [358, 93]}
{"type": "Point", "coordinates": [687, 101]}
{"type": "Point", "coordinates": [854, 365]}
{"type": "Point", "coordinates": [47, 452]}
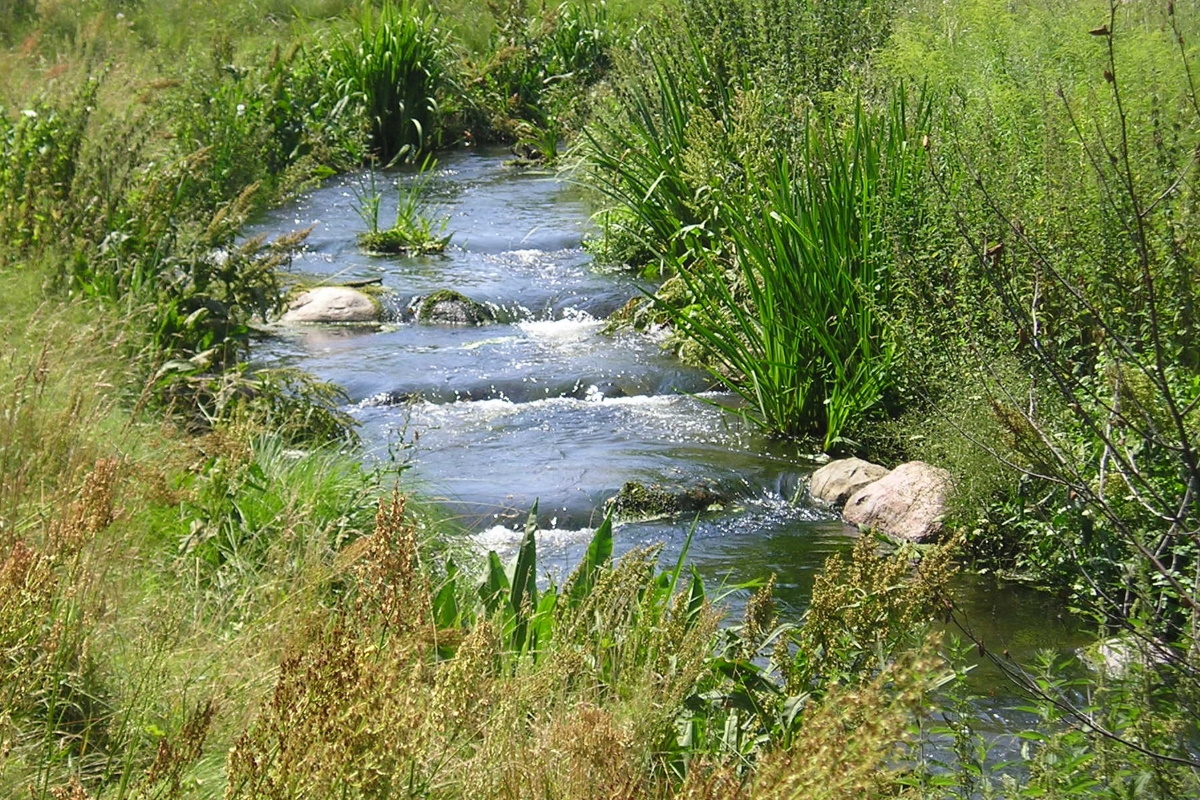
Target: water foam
{"type": "Point", "coordinates": [574, 326]}
{"type": "Point", "coordinates": [502, 539]}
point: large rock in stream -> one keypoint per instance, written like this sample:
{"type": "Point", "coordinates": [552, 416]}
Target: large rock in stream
{"type": "Point", "coordinates": [908, 503]}
{"type": "Point", "coordinates": [837, 480]}
{"type": "Point", "coordinates": [333, 304]}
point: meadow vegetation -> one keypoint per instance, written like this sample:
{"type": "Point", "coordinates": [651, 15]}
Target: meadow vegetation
{"type": "Point", "coordinates": [963, 232]}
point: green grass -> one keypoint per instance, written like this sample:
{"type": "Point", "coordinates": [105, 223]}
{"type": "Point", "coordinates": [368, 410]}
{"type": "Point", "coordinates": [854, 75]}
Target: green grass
{"type": "Point", "coordinates": [415, 230]}
{"type": "Point", "coordinates": [391, 66]}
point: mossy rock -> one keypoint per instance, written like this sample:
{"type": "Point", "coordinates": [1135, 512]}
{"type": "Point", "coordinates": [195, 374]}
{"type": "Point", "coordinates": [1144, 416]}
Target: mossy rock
{"type": "Point", "coordinates": [396, 241]}
{"type": "Point", "coordinates": [640, 501]}
{"type": "Point", "coordinates": [627, 316]}
{"type": "Point", "coordinates": [448, 307]}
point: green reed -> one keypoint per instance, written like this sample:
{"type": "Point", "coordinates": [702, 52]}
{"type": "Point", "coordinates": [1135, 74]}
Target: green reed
{"type": "Point", "coordinates": [791, 315]}
{"type": "Point", "coordinates": [637, 153]}
{"type": "Point", "coordinates": [391, 67]}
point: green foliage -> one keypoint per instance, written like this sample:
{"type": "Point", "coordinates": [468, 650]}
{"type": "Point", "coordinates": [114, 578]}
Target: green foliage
{"type": "Point", "coordinates": [803, 46]}
{"type": "Point", "coordinates": [531, 83]}
{"type": "Point", "coordinates": [258, 122]}
{"type": "Point", "coordinates": [151, 230]}
{"type": "Point", "coordinates": [1087, 735]}
{"type": "Point", "coordinates": [40, 151]}
{"type": "Point", "coordinates": [696, 108]}
{"type": "Point", "coordinates": [14, 15]}
{"type": "Point", "coordinates": [527, 620]}
{"type": "Point", "coordinates": [793, 322]}
{"type": "Point", "coordinates": [636, 157]}
{"type": "Point", "coordinates": [774, 688]}
{"type": "Point", "coordinates": [242, 506]}
{"type": "Point", "coordinates": [390, 69]}
{"type": "Point", "coordinates": [415, 230]}
{"type": "Point", "coordinates": [1079, 236]}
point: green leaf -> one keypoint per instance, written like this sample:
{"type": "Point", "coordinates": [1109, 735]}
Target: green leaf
{"type": "Point", "coordinates": [495, 587]}
{"type": "Point", "coordinates": [523, 597]}
{"type": "Point", "coordinates": [524, 585]}
{"type": "Point", "coordinates": [598, 554]}
{"type": "Point", "coordinates": [696, 598]}
{"type": "Point", "coordinates": [446, 612]}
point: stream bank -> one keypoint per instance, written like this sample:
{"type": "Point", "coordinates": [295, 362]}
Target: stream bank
{"type": "Point", "coordinates": [542, 404]}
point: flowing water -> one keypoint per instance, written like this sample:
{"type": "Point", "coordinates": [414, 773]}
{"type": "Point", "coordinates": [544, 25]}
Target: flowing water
{"type": "Point", "coordinates": [546, 405]}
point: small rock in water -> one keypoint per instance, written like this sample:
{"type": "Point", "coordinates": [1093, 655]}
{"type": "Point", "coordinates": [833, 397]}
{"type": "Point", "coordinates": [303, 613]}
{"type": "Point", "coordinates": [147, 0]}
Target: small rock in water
{"type": "Point", "coordinates": [333, 304]}
{"type": "Point", "coordinates": [641, 501]}
{"type": "Point", "coordinates": [908, 503]}
{"type": "Point", "coordinates": [448, 307]}
{"type": "Point", "coordinates": [837, 480]}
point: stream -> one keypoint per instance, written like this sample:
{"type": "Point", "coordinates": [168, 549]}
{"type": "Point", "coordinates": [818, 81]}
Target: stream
{"type": "Point", "coordinates": [545, 405]}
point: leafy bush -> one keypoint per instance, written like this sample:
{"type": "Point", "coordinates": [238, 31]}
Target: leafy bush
{"type": "Point", "coordinates": [530, 84]}
{"type": "Point", "coordinates": [258, 122]}
{"type": "Point", "coordinates": [40, 151]}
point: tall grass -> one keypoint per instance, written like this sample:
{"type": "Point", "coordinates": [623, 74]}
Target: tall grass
{"type": "Point", "coordinates": [210, 550]}
{"type": "Point", "coordinates": [734, 166]}
{"type": "Point", "coordinates": [724, 82]}
{"type": "Point", "coordinates": [392, 67]}
{"type": "Point", "coordinates": [637, 158]}
{"type": "Point", "coordinates": [793, 315]}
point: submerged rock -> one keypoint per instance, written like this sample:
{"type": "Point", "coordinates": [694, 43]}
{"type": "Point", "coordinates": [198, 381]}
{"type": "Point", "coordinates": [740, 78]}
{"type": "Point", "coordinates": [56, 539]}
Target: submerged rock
{"type": "Point", "coordinates": [638, 500]}
{"type": "Point", "coordinates": [837, 480]}
{"type": "Point", "coordinates": [333, 304]}
{"type": "Point", "coordinates": [1125, 655]}
{"type": "Point", "coordinates": [448, 307]}
{"type": "Point", "coordinates": [908, 503]}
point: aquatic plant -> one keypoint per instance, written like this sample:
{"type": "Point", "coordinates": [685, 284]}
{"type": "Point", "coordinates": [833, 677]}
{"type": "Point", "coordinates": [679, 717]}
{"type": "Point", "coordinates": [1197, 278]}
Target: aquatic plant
{"type": "Point", "coordinates": [791, 315]}
{"type": "Point", "coordinates": [415, 230]}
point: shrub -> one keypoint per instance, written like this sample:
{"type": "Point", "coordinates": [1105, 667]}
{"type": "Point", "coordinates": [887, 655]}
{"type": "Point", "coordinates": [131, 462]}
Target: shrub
{"type": "Point", "coordinates": [530, 84]}
{"type": "Point", "coordinates": [40, 151]}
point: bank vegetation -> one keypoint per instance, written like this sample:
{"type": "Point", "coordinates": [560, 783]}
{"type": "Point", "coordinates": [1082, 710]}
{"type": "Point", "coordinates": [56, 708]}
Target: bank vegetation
{"type": "Point", "coordinates": [961, 232]}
